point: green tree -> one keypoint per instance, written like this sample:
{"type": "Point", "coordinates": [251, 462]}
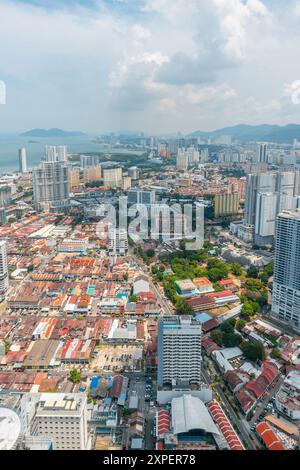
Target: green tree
{"type": "Point", "coordinates": [150, 253]}
{"type": "Point", "coordinates": [240, 324]}
{"type": "Point", "coordinates": [253, 272]}
{"type": "Point", "coordinates": [253, 351]}
{"type": "Point", "coordinates": [217, 337]}
{"type": "Point", "coordinates": [133, 298]}
{"type": "Point", "coordinates": [75, 376]}
{"type": "Point", "coordinates": [276, 353]}
{"type": "Point", "coordinates": [183, 308]}
{"type": "Point", "coordinates": [236, 269]}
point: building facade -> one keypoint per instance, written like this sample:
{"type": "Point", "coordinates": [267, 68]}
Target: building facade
{"type": "Point", "coordinates": [179, 351]}
{"type": "Point", "coordinates": [286, 285]}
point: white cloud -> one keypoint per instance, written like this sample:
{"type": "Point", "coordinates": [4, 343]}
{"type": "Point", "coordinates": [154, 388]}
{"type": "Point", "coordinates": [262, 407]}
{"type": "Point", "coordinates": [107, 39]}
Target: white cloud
{"type": "Point", "coordinates": [199, 63]}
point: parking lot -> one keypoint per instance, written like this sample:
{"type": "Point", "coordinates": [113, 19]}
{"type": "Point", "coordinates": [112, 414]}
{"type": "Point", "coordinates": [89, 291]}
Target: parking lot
{"type": "Point", "coordinates": [118, 358]}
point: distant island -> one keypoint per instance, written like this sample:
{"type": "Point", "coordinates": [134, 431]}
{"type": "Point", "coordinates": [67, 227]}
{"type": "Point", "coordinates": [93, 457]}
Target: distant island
{"type": "Point", "coordinates": [51, 133]}
{"type": "Point", "coordinates": [265, 132]}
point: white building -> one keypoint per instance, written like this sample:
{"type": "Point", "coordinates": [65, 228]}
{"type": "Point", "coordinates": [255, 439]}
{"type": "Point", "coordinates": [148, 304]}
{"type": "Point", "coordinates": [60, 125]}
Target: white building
{"type": "Point", "coordinates": [22, 160]}
{"type": "Point", "coordinates": [179, 350]}
{"type": "Point", "coordinates": [118, 242]}
{"type": "Point", "coordinates": [286, 285]}
{"type": "Point", "coordinates": [182, 162]}
{"type": "Point", "coordinates": [4, 284]}
{"type": "Point", "coordinates": [288, 396]}
{"type": "Point", "coordinates": [113, 178]}
{"type": "Point", "coordinates": [63, 418]}
{"type": "Point", "coordinates": [267, 194]}
{"type": "Point", "coordinates": [51, 181]}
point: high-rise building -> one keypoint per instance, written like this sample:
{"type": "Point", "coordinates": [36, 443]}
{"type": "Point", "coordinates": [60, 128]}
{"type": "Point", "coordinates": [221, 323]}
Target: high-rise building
{"type": "Point", "coordinates": [91, 174]}
{"type": "Point", "coordinates": [74, 178]}
{"type": "Point", "coordinates": [55, 153]}
{"type": "Point", "coordinates": [182, 162]}
{"type": "Point", "coordinates": [286, 283]}
{"type": "Point", "coordinates": [3, 218]}
{"type": "Point", "coordinates": [267, 194]}
{"type": "Point", "coordinates": [4, 284]}
{"type": "Point", "coordinates": [5, 195]}
{"type": "Point", "coordinates": [118, 242]}
{"type": "Point", "coordinates": [226, 204]}
{"type": "Point", "coordinates": [89, 160]}
{"type": "Point", "coordinates": [51, 181]}
{"type": "Point", "coordinates": [113, 177]}
{"type": "Point", "coordinates": [179, 351]}
{"type": "Point", "coordinates": [126, 183]}
{"type": "Point", "coordinates": [134, 173]}
{"type": "Point", "coordinates": [262, 153]}
{"type": "Point", "coordinates": [22, 160]}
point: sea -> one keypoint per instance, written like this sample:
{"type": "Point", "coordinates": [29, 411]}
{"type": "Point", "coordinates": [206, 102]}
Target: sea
{"type": "Point", "coordinates": [10, 145]}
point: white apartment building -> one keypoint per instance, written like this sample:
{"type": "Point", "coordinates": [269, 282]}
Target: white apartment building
{"type": "Point", "coordinates": [286, 285]}
{"type": "Point", "coordinates": [22, 160]}
{"type": "Point", "coordinates": [182, 162]}
{"type": "Point", "coordinates": [118, 242]}
{"type": "Point", "coordinates": [267, 194]}
{"type": "Point", "coordinates": [4, 283]}
{"type": "Point", "coordinates": [179, 350]}
{"type": "Point", "coordinates": [63, 418]}
{"type": "Point", "coordinates": [51, 180]}
{"type": "Point", "coordinates": [113, 177]}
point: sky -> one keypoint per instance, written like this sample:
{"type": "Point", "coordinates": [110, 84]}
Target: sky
{"type": "Point", "coordinates": [158, 66]}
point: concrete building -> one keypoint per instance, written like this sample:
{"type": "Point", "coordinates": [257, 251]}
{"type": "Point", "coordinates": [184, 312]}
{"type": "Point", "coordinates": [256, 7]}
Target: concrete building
{"type": "Point", "coordinates": [74, 178]}
{"type": "Point", "coordinates": [134, 173]}
{"type": "Point", "coordinates": [226, 204]}
{"type": "Point", "coordinates": [286, 285]}
{"type": "Point", "coordinates": [118, 242]}
{"type": "Point", "coordinates": [3, 217]}
{"type": "Point", "coordinates": [182, 162]}
{"type": "Point", "coordinates": [63, 418]}
{"type": "Point", "coordinates": [91, 174]}
{"type": "Point", "coordinates": [288, 396]}
{"type": "Point", "coordinates": [51, 181]}
{"type": "Point", "coordinates": [179, 351]}
{"type": "Point", "coordinates": [267, 194]}
{"type": "Point", "coordinates": [4, 284]}
{"type": "Point", "coordinates": [262, 153]}
{"type": "Point", "coordinates": [113, 177]}
{"type": "Point", "coordinates": [126, 184]}
{"type": "Point", "coordinates": [22, 160]}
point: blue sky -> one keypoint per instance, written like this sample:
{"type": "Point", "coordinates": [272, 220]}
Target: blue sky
{"type": "Point", "coordinates": [156, 65]}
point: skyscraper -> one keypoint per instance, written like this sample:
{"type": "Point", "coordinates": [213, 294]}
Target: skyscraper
{"type": "Point", "coordinates": [4, 284]}
{"type": "Point", "coordinates": [267, 194]}
{"type": "Point", "coordinates": [113, 177]}
{"type": "Point", "coordinates": [51, 181]}
{"type": "Point", "coordinates": [22, 160]}
{"type": "Point", "coordinates": [182, 162]}
{"type": "Point", "coordinates": [179, 350]}
{"type": "Point", "coordinates": [286, 285]}
{"type": "Point", "coordinates": [262, 153]}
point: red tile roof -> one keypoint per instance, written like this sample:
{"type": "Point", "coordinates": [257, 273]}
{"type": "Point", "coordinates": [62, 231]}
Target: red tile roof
{"type": "Point", "coordinates": [269, 438]}
{"type": "Point", "coordinates": [227, 430]}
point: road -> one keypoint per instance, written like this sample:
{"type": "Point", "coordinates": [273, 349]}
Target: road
{"type": "Point", "coordinates": [234, 418]}
{"type": "Point", "coordinates": [267, 397]}
{"type": "Point", "coordinates": [166, 309]}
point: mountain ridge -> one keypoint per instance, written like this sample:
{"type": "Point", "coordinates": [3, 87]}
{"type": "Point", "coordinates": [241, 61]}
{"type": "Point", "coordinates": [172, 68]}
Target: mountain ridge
{"type": "Point", "coordinates": [263, 132]}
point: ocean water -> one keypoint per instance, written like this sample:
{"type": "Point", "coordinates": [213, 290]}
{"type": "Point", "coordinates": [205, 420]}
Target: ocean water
{"type": "Point", "coordinates": [10, 145]}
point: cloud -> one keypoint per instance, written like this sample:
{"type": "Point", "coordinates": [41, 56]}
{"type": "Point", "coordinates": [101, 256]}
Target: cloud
{"type": "Point", "coordinates": [154, 64]}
